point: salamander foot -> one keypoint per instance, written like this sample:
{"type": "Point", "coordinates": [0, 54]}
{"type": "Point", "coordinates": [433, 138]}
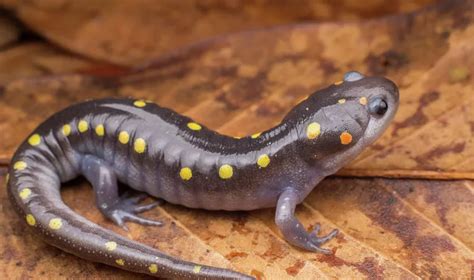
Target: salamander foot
{"type": "Point", "coordinates": [126, 208]}
{"type": "Point", "coordinates": [317, 241]}
{"type": "Point", "coordinates": [293, 231]}
{"type": "Point", "coordinates": [119, 209]}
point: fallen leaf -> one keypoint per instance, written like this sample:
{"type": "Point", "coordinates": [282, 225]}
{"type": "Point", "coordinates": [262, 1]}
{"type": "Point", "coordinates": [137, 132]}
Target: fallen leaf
{"type": "Point", "coordinates": [389, 229]}
{"type": "Point", "coordinates": [238, 90]}
{"type": "Point", "coordinates": [32, 59]}
{"type": "Point", "coordinates": [406, 229]}
{"type": "Point", "coordinates": [9, 32]}
{"type": "Point", "coordinates": [134, 31]}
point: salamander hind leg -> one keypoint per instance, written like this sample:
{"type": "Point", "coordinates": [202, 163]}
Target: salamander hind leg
{"type": "Point", "coordinates": [293, 231]}
{"type": "Point", "coordinates": [117, 208]}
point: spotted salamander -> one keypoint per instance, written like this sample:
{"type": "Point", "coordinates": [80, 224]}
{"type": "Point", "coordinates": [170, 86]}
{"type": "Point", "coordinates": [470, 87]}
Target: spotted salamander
{"type": "Point", "coordinates": [159, 152]}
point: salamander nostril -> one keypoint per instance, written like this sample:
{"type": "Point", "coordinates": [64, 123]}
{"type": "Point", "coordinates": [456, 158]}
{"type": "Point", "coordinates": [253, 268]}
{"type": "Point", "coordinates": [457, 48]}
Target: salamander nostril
{"type": "Point", "coordinates": [378, 106]}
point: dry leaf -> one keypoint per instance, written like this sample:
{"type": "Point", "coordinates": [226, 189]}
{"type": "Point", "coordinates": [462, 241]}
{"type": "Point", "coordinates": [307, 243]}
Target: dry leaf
{"type": "Point", "coordinates": [389, 229]}
{"type": "Point", "coordinates": [33, 59]}
{"type": "Point", "coordinates": [9, 32]}
{"type": "Point", "coordinates": [135, 31]}
{"type": "Point", "coordinates": [239, 90]}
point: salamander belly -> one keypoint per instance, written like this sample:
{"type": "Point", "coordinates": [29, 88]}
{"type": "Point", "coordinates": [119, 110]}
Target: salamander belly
{"type": "Point", "coordinates": [247, 187]}
{"type": "Point", "coordinates": [212, 194]}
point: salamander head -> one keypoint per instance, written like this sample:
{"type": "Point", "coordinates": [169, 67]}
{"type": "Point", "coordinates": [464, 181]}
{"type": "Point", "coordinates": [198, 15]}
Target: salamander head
{"type": "Point", "coordinates": [337, 123]}
{"type": "Point", "coordinates": [378, 98]}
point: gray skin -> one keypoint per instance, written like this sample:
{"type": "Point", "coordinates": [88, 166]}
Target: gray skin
{"type": "Point", "coordinates": [299, 159]}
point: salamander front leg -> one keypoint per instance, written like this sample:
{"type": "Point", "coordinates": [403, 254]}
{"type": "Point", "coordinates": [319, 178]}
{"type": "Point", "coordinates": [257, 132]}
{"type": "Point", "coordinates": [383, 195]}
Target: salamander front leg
{"type": "Point", "coordinates": [293, 231]}
{"type": "Point", "coordinates": [118, 209]}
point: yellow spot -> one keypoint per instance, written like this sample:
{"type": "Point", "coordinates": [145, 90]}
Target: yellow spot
{"type": "Point", "coordinates": [346, 138]}
{"type": "Point", "coordinates": [197, 269]}
{"type": "Point", "coordinates": [24, 193]}
{"type": "Point", "coordinates": [153, 268]}
{"type": "Point", "coordinates": [100, 130]}
{"type": "Point", "coordinates": [194, 126]}
{"type": "Point", "coordinates": [256, 135]}
{"type": "Point", "coordinates": [110, 246]}
{"type": "Point", "coordinates": [34, 140]}
{"type": "Point", "coordinates": [363, 100]}
{"type": "Point", "coordinates": [338, 83]}
{"type": "Point", "coordinates": [20, 165]}
{"type": "Point", "coordinates": [459, 74]}
{"type": "Point", "coordinates": [341, 101]}
{"type": "Point", "coordinates": [30, 219]}
{"type": "Point", "coordinates": [263, 160]}
{"type": "Point", "coordinates": [66, 130]}
{"type": "Point", "coordinates": [55, 223]}
{"type": "Point", "coordinates": [139, 103]}
{"type": "Point", "coordinates": [83, 126]}
{"type": "Point", "coordinates": [124, 137]}
{"type": "Point", "coordinates": [120, 262]}
{"type": "Point", "coordinates": [313, 130]}
{"type": "Point", "coordinates": [226, 171]}
{"type": "Point", "coordinates": [185, 173]}
{"type": "Point", "coordinates": [139, 145]}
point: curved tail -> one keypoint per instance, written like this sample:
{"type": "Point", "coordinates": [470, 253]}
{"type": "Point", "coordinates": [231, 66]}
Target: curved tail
{"type": "Point", "coordinates": [34, 190]}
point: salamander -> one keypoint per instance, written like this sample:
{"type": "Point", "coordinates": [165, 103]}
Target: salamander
{"type": "Point", "coordinates": [163, 154]}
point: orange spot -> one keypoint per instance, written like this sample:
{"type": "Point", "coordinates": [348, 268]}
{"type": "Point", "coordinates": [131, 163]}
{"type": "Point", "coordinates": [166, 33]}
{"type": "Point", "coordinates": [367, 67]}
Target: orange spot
{"type": "Point", "coordinates": [346, 138]}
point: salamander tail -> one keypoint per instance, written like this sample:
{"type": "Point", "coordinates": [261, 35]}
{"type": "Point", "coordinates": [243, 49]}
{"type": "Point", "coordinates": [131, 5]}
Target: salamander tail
{"type": "Point", "coordinates": [34, 190]}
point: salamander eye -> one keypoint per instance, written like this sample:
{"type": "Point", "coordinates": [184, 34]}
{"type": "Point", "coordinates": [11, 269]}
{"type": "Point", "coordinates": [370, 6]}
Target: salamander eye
{"type": "Point", "coordinates": [352, 76]}
{"type": "Point", "coordinates": [378, 106]}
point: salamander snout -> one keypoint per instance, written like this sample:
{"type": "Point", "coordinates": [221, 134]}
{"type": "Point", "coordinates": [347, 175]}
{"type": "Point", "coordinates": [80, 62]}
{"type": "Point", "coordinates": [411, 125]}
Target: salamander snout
{"type": "Point", "coordinates": [381, 94]}
{"type": "Point", "coordinates": [381, 100]}
{"type": "Point", "coordinates": [377, 98]}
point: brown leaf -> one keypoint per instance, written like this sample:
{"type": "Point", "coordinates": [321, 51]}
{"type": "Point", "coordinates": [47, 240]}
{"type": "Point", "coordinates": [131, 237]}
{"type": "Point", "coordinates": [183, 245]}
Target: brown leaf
{"type": "Point", "coordinates": [240, 84]}
{"type": "Point", "coordinates": [240, 90]}
{"type": "Point", "coordinates": [389, 229]}
{"type": "Point", "coordinates": [34, 59]}
{"type": "Point", "coordinates": [135, 31]}
{"type": "Point", "coordinates": [9, 32]}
